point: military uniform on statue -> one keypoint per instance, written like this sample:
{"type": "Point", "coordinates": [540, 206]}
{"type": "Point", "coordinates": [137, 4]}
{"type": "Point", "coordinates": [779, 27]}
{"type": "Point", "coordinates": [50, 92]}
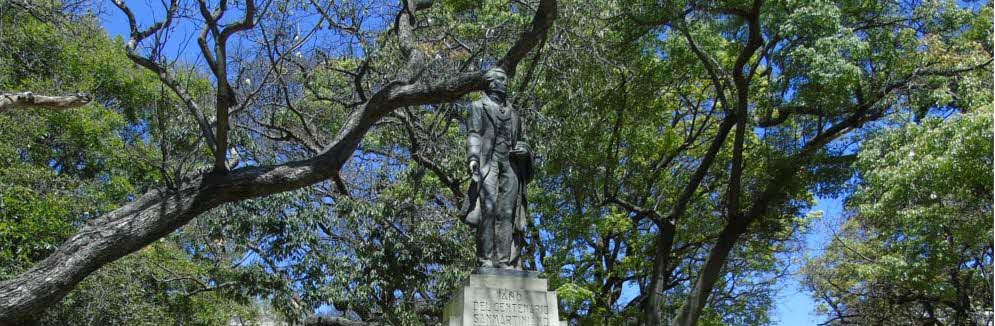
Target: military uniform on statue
{"type": "Point", "coordinates": [499, 292]}
{"type": "Point", "coordinates": [500, 164]}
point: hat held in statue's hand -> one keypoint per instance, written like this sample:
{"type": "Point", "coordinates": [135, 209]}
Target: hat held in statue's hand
{"type": "Point", "coordinates": [470, 212]}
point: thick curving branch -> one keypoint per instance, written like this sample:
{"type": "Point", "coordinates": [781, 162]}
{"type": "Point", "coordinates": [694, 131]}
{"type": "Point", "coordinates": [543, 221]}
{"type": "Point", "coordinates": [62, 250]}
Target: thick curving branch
{"type": "Point", "coordinates": [28, 100]}
{"type": "Point", "coordinates": [163, 210]}
{"type": "Point", "coordinates": [775, 192]}
{"type": "Point", "coordinates": [541, 23]}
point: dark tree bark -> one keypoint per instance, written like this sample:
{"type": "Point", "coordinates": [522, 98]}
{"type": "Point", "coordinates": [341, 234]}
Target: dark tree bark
{"type": "Point", "coordinates": [736, 116]}
{"type": "Point", "coordinates": [668, 228]}
{"type": "Point", "coordinates": [779, 183]}
{"type": "Point", "coordinates": [163, 210]}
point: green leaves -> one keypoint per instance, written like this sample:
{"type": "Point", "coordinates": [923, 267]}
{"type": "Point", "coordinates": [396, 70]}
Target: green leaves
{"type": "Point", "coordinates": [920, 225]}
{"type": "Point", "coordinates": [620, 110]}
{"type": "Point", "coordinates": [58, 170]}
{"type": "Point", "coordinates": [613, 224]}
{"type": "Point", "coordinates": [156, 285]}
{"type": "Point", "coordinates": [573, 294]}
{"type": "Point", "coordinates": [31, 225]}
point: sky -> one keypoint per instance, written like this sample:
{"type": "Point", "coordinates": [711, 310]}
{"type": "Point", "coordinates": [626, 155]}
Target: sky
{"type": "Point", "coordinates": [794, 306]}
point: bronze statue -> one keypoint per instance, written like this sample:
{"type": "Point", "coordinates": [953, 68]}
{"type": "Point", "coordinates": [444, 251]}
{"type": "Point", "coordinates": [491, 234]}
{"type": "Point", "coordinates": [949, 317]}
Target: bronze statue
{"type": "Point", "coordinates": [501, 166]}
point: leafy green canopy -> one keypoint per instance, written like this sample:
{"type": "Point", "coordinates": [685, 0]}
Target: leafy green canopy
{"type": "Point", "coordinates": [60, 169]}
{"type": "Point", "coordinates": [917, 248]}
{"type": "Point", "coordinates": [628, 108]}
{"type": "Point", "coordinates": [618, 107]}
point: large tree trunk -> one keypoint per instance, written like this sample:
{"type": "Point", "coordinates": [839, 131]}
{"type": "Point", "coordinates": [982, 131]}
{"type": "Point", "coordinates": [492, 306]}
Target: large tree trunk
{"type": "Point", "coordinates": [695, 301]}
{"type": "Point", "coordinates": [150, 217]}
{"type": "Point", "coordinates": [161, 211]}
{"type": "Point", "coordinates": [113, 236]}
{"type": "Point", "coordinates": [653, 314]}
{"type": "Point", "coordinates": [779, 184]}
{"type": "Point", "coordinates": [661, 274]}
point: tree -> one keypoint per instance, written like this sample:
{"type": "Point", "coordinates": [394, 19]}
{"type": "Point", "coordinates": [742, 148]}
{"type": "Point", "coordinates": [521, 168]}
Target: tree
{"type": "Point", "coordinates": [680, 144]}
{"type": "Point", "coordinates": [622, 129]}
{"type": "Point", "coordinates": [807, 74]}
{"type": "Point", "coordinates": [59, 168]}
{"type": "Point", "coordinates": [162, 210]}
{"type": "Point", "coordinates": [916, 248]}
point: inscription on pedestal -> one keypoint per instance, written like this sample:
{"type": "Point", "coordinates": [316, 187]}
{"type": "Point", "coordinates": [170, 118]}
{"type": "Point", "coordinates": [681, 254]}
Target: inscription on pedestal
{"type": "Point", "coordinates": [503, 298]}
{"type": "Point", "coordinates": [509, 307]}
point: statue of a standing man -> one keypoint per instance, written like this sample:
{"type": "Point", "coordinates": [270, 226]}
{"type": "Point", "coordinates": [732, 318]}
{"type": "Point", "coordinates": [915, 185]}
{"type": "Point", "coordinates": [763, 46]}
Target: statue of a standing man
{"type": "Point", "coordinates": [501, 166]}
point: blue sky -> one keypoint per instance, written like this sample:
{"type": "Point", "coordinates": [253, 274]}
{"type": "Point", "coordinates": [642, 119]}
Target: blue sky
{"type": "Point", "coordinates": [794, 306]}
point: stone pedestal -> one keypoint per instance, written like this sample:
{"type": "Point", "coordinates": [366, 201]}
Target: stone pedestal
{"type": "Point", "coordinates": [498, 297]}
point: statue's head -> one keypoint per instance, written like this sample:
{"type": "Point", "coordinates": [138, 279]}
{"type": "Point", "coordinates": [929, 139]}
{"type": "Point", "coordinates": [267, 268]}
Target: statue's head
{"type": "Point", "coordinates": [497, 81]}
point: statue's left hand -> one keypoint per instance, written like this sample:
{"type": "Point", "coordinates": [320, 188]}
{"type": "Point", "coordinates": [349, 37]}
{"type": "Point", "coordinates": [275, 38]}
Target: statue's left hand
{"type": "Point", "coordinates": [522, 147]}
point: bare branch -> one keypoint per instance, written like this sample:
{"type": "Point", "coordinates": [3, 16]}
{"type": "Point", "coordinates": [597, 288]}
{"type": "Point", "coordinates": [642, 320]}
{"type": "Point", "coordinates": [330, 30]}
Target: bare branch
{"type": "Point", "coordinates": [541, 22]}
{"type": "Point", "coordinates": [163, 210]}
{"type": "Point", "coordinates": [138, 36]}
{"type": "Point", "coordinates": [27, 100]}
{"type": "Point", "coordinates": [418, 155]}
{"type": "Point", "coordinates": [165, 76]}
